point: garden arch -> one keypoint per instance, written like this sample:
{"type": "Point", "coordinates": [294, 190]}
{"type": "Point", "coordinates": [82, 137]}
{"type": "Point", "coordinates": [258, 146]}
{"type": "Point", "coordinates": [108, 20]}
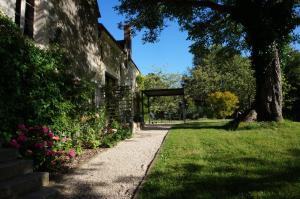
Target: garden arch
{"type": "Point", "coordinates": [159, 93]}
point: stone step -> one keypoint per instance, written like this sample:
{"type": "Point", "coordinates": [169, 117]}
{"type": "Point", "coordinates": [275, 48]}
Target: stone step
{"type": "Point", "coordinates": [15, 168]}
{"type": "Point", "coordinates": [19, 186]}
{"type": "Point", "coordinates": [45, 193]}
{"type": "Point", "coordinates": [8, 154]}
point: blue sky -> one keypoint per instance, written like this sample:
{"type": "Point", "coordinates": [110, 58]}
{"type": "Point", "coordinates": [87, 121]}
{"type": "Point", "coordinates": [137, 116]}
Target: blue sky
{"type": "Point", "coordinates": [171, 53]}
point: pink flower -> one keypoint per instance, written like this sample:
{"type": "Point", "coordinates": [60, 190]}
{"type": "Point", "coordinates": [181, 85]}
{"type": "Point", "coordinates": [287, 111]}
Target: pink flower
{"type": "Point", "coordinates": [13, 143]}
{"type": "Point", "coordinates": [22, 138]}
{"type": "Point", "coordinates": [51, 135]}
{"type": "Point", "coordinates": [45, 130]}
{"type": "Point", "coordinates": [50, 153]}
{"type": "Point", "coordinates": [55, 138]}
{"type": "Point", "coordinates": [21, 127]}
{"type": "Point", "coordinates": [49, 143]}
{"type": "Point", "coordinates": [72, 153]}
{"type": "Point", "coordinates": [39, 145]}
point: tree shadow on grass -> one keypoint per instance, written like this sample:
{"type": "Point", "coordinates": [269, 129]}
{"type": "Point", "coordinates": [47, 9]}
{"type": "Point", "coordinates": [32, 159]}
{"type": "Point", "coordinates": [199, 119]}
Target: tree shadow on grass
{"type": "Point", "coordinates": [158, 127]}
{"type": "Point", "coordinates": [202, 125]}
{"type": "Point", "coordinates": [242, 177]}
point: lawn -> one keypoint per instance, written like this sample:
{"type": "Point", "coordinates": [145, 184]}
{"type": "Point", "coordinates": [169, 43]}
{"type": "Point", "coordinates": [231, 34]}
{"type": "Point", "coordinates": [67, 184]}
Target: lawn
{"type": "Point", "coordinates": [202, 160]}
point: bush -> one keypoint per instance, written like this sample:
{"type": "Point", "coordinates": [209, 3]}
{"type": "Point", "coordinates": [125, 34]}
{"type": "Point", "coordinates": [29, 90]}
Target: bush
{"type": "Point", "coordinates": [92, 129]}
{"type": "Point", "coordinates": [223, 104]}
{"type": "Point", "coordinates": [37, 86]}
{"type": "Point", "coordinates": [46, 148]}
{"type": "Point", "coordinates": [114, 133]}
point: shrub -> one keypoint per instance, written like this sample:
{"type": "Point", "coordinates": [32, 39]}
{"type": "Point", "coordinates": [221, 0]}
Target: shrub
{"type": "Point", "coordinates": [92, 126]}
{"type": "Point", "coordinates": [46, 148]}
{"type": "Point", "coordinates": [114, 133]}
{"type": "Point", "coordinates": [223, 104]}
{"type": "Point", "coordinates": [37, 86]}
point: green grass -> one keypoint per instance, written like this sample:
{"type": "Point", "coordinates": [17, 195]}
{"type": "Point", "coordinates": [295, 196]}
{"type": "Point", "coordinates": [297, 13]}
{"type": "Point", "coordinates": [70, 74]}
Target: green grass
{"type": "Point", "coordinates": [202, 160]}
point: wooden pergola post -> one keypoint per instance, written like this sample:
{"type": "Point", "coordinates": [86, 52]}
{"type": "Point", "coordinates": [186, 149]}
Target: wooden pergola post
{"type": "Point", "coordinates": [149, 109]}
{"type": "Point", "coordinates": [143, 113]}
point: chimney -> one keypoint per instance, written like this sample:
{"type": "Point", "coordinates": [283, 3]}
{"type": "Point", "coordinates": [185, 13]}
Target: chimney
{"type": "Point", "coordinates": [127, 40]}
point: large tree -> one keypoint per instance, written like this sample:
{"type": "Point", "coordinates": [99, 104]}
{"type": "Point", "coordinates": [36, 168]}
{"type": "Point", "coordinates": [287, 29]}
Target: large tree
{"type": "Point", "coordinates": [261, 26]}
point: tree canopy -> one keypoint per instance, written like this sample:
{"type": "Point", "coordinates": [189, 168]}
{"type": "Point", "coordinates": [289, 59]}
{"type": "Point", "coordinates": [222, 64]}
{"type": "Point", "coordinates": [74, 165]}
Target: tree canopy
{"type": "Point", "coordinates": [220, 71]}
{"type": "Point", "coordinates": [260, 26]}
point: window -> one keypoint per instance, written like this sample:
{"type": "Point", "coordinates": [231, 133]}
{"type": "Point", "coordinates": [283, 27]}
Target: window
{"type": "Point", "coordinates": [29, 18]}
{"type": "Point", "coordinates": [18, 13]}
{"type": "Point", "coordinates": [25, 20]}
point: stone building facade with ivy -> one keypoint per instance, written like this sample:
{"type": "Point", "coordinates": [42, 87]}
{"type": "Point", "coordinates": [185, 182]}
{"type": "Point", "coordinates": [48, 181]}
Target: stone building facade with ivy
{"type": "Point", "coordinates": [73, 24]}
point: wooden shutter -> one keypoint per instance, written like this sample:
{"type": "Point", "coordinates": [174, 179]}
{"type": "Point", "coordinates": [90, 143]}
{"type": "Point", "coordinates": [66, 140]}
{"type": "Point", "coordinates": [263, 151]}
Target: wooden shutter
{"type": "Point", "coordinates": [18, 12]}
{"type": "Point", "coordinates": [29, 18]}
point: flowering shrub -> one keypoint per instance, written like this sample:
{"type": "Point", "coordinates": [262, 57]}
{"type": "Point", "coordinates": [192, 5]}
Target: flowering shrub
{"type": "Point", "coordinates": [114, 133]}
{"type": "Point", "coordinates": [37, 85]}
{"type": "Point", "coordinates": [48, 150]}
{"type": "Point", "coordinates": [223, 104]}
{"type": "Point", "coordinates": [91, 129]}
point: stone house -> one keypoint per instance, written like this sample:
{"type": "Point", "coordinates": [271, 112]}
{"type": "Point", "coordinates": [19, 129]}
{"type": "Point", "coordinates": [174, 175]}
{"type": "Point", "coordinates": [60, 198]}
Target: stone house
{"type": "Point", "coordinates": [74, 25]}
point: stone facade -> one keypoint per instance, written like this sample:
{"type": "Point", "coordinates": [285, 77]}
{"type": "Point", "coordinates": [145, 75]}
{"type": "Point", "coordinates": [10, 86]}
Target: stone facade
{"type": "Point", "coordinates": [74, 25]}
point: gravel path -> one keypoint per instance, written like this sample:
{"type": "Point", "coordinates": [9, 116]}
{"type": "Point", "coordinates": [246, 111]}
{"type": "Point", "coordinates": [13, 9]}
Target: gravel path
{"type": "Point", "coordinates": [116, 172]}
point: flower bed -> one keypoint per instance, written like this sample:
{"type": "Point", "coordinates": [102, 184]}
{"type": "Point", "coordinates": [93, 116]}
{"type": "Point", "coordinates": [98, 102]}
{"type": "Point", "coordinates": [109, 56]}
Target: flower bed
{"type": "Point", "coordinates": [46, 148]}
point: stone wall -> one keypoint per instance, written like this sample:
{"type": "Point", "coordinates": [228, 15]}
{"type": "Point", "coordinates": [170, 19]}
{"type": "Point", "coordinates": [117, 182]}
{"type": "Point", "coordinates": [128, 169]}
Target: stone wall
{"type": "Point", "coordinates": [74, 25]}
{"type": "Point", "coordinates": [115, 60]}
{"type": "Point", "coordinates": [8, 7]}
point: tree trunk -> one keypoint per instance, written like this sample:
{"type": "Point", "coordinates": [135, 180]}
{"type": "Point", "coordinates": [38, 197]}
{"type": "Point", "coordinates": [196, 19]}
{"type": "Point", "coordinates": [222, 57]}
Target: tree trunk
{"type": "Point", "coordinates": [268, 100]}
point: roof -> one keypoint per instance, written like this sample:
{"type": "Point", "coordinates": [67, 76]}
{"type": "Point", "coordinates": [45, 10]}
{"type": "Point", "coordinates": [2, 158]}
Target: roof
{"type": "Point", "coordinates": [119, 43]}
{"type": "Point", "coordinates": [164, 92]}
{"type": "Point", "coordinates": [99, 13]}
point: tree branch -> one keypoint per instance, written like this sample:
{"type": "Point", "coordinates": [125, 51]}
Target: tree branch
{"type": "Point", "coordinates": [297, 21]}
{"type": "Point", "coordinates": [201, 3]}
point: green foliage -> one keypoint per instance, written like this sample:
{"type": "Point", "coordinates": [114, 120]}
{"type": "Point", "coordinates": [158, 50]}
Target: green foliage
{"type": "Point", "coordinates": [235, 23]}
{"type": "Point", "coordinates": [115, 133]}
{"type": "Point", "coordinates": [291, 86]}
{"type": "Point", "coordinates": [92, 129]}
{"type": "Point", "coordinates": [223, 104]}
{"type": "Point", "coordinates": [221, 71]}
{"type": "Point", "coordinates": [37, 85]}
{"type": "Point", "coordinates": [260, 28]}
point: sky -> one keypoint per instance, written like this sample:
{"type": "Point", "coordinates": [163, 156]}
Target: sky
{"type": "Point", "coordinates": [170, 54]}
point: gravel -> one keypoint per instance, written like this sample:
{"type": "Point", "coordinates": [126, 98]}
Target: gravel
{"type": "Point", "coordinates": [116, 172]}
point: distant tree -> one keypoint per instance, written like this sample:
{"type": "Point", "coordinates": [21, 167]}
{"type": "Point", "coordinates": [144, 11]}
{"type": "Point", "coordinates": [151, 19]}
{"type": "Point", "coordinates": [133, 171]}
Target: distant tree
{"type": "Point", "coordinates": [221, 71]}
{"type": "Point", "coordinates": [260, 26]}
{"type": "Point", "coordinates": [292, 80]}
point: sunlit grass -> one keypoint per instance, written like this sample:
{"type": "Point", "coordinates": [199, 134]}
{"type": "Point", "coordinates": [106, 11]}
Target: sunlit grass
{"type": "Point", "coordinates": [202, 160]}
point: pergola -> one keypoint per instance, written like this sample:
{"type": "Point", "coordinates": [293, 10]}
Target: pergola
{"type": "Point", "coordinates": [159, 93]}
